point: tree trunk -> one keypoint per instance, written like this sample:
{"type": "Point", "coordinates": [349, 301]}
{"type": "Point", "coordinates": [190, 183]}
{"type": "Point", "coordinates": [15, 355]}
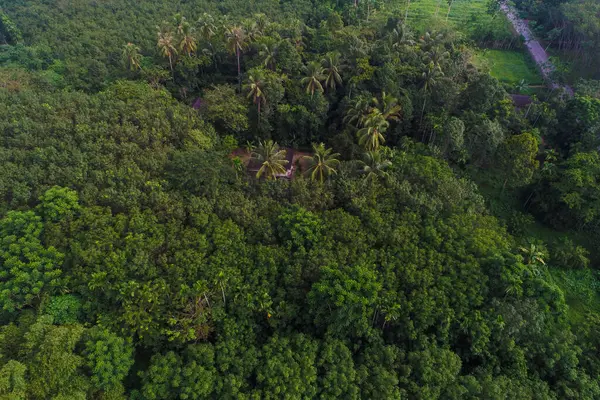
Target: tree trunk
{"type": "Point", "coordinates": [237, 53]}
{"type": "Point", "coordinates": [407, 7]}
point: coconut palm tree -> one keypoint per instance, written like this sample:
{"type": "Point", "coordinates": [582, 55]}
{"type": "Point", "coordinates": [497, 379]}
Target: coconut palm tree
{"type": "Point", "coordinates": [268, 52]}
{"type": "Point", "coordinates": [207, 27]}
{"type": "Point", "coordinates": [391, 109]}
{"type": "Point", "coordinates": [401, 37]}
{"type": "Point", "coordinates": [166, 44]}
{"type": "Point", "coordinates": [331, 70]}
{"type": "Point", "coordinates": [374, 166]}
{"type": "Point", "coordinates": [187, 40]}
{"type": "Point", "coordinates": [132, 56]}
{"type": "Point", "coordinates": [314, 76]}
{"type": "Point", "coordinates": [371, 136]}
{"type": "Point", "coordinates": [436, 55]}
{"type": "Point", "coordinates": [322, 163]}
{"type": "Point", "coordinates": [236, 43]}
{"type": "Point", "coordinates": [430, 77]}
{"type": "Point", "coordinates": [255, 87]}
{"type": "Point", "coordinates": [358, 111]}
{"type": "Point", "coordinates": [272, 159]}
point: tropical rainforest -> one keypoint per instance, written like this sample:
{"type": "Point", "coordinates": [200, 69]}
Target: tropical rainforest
{"type": "Point", "coordinates": [430, 240]}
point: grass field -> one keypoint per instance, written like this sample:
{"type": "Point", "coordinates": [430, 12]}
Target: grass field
{"type": "Point", "coordinates": [508, 66]}
{"type": "Point", "coordinates": [460, 12]}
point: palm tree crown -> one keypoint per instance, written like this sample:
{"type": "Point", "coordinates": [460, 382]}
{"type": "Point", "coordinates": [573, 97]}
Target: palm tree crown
{"type": "Point", "coordinates": [331, 70]}
{"type": "Point", "coordinates": [132, 56]}
{"type": "Point", "coordinates": [272, 159]}
{"type": "Point", "coordinates": [166, 44]}
{"type": "Point", "coordinates": [371, 136]}
{"type": "Point", "coordinates": [236, 42]}
{"type": "Point", "coordinates": [322, 163]}
{"type": "Point", "coordinates": [187, 40]}
{"type": "Point", "coordinates": [207, 27]}
{"type": "Point", "coordinates": [314, 76]}
{"type": "Point", "coordinates": [374, 166]}
{"type": "Point", "coordinates": [255, 90]}
{"type": "Point", "coordinates": [268, 52]}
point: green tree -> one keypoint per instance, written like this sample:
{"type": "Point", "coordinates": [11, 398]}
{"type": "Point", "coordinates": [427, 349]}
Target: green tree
{"type": "Point", "coordinates": [132, 57]}
{"type": "Point", "coordinates": [187, 40]}
{"type": "Point", "coordinates": [58, 203]}
{"type": "Point", "coordinates": [271, 158]}
{"type": "Point", "coordinates": [336, 372]}
{"type": "Point", "coordinates": [331, 70]}
{"type": "Point", "coordinates": [255, 91]}
{"type": "Point", "coordinates": [287, 368]}
{"type": "Point", "coordinates": [322, 163]}
{"type": "Point", "coordinates": [166, 44]}
{"type": "Point", "coordinates": [374, 166]}
{"type": "Point", "coordinates": [236, 43]}
{"type": "Point", "coordinates": [401, 37]}
{"type": "Point", "coordinates": [108, 356]}
{"type": "Point", "coordinates": [223, 107]}
{"type": "Point", "coordinates": [28, 268]}
{"type": "Point", "coordinates": [517, 159]}
{"type": "Point", "coordinates": [343, 300]}
{"type": "Point", "coordinates": [314, 77]}
{"type": "Point", "coordinates": [371, 136]}
{"type": "Point", "coordinates": [268, 53]}
{"type": "Point", "coordinates": [55, 369]}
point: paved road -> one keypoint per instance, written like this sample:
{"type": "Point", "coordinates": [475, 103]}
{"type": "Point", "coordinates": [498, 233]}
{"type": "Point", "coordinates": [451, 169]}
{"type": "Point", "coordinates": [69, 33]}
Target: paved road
{"type": "Point", "coordinates": [537, 52]}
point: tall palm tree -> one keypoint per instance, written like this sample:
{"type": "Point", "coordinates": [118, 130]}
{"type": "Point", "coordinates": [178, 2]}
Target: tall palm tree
{"type": "Point", "coordinates": [255, 87]}
{"type": "Point", "coordinates": [166, 44]}
{"type": "Point", "coordinates": [322, 163]}
{"type": "Point", "coordinates": [187, 40]}
{"type": "Point", "coordinates": [178, 21]}
{"type": "Point", "coordinates": [268, 52]}
{"type": "Point", "coordinates": [314, 76]}
{"type": "Point", "coordinates": [430, 77]}
{"type": "Point", "coordinates": [431, 40]}
{"type": "Point", "coordinates": [371, 136]}
{"type": "Point", "coordinates": [401, 37]}
{"type": "Point", "coordinates": [132, 56]}
{"type": "Point", "coordinates": [358, 111]}
{"type": "Point", "coordinates": [207, 27]}
{"type": "Point", "coordinates": [236, 43]}
{"type": "Point", "coordinates": [331, 70]}
{"type": "Point", "coordinates": [374, 166]}
{"type": "Point", "coordinates": [436, 55]}
{"type": "Point", "coordinates": [272, 159]}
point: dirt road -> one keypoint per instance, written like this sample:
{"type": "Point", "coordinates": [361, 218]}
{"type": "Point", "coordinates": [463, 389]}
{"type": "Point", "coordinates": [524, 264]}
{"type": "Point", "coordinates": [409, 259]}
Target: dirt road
{"type": "Point", "coordinates": [537, 52]}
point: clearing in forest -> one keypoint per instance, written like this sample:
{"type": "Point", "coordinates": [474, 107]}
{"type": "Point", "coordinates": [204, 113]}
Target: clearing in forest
{"type": "Point", "coordinates": [508, 66]}
{"type": "Point", "coordinates": [461, 11]}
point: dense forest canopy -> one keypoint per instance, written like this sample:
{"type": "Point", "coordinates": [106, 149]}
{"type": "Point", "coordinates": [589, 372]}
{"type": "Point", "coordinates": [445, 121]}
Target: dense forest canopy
{"type": "Point", "coordinates": [274, 199]}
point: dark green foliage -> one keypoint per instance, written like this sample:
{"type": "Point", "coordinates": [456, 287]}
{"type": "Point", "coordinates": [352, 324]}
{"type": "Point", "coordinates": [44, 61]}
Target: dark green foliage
{"type": "Point", "coordinates": [9, 33]}
{"type": "Point", "coordinates": [108, 357]}
{"type": "Point", "coordinates": [141, 258]}
{"type": "Point", "coordinates": [65, 309]}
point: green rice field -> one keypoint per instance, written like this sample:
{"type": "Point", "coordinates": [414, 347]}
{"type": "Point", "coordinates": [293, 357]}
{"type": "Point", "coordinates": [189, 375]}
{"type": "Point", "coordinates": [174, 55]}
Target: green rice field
{"type": "Point", "coordinates": [461, 11]}
{"type": "Point", "coordinates": [508, 66]}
